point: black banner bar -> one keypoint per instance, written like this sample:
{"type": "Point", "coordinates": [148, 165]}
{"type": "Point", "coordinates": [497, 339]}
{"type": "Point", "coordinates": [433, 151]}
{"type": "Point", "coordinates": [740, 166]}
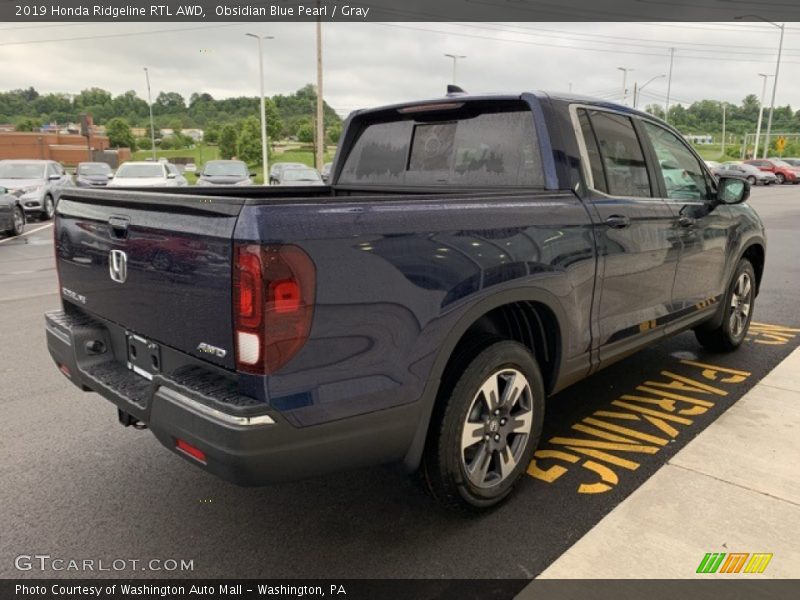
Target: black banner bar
{"type": "Point", "coordinates": [199, 11]}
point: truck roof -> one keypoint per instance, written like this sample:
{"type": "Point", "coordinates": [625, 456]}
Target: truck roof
{"type": "Point", "coordinates": [567, 97]}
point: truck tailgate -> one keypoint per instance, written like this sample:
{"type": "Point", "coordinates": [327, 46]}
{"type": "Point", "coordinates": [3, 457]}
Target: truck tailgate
{"type": "Point", "coordinates": [159, 265]}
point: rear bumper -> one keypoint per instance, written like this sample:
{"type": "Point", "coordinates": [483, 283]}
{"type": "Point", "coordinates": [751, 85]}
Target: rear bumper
{"type": "Point", "coordinates": [243, 441]}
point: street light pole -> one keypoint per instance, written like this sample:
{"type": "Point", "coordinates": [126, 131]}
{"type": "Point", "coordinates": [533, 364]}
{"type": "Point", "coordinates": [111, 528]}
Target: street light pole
{"type": "Point", "coordinates": [319, 125]}
{"type": "Point", "coordinates": [775, 81]}
{"type": "Point", "coordinates": [150, 105]}
{"type": "Point", "coordinates": [455, 58]}
{"type": "Point", "coordinates": [760, 112]}
{"type": "Point", "coordinates": [264, 157]}
{"type": "Point", "coordinates": [669, 84]}
{"type": "Point", "coordinates": [624, 81]}
{"type": "Point", "coordinates": [640, 88]}
{"type": "Point", "coordinates": [722, 150]}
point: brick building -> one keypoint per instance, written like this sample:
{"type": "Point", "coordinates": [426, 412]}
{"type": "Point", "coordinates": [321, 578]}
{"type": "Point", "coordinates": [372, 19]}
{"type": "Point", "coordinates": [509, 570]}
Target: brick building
{"type": "Point", "coordinates": [68, 149]}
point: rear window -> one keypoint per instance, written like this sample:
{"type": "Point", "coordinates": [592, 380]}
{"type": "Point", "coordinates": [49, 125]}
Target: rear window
{"type": "Point", "coordinates": [486, 149]}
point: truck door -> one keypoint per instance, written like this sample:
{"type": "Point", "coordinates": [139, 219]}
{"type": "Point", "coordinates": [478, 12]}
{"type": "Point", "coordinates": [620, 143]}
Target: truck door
{"type": "Point", "coordinates": [703, 226]}
{"type": "Point", "coordinates": [638, 247]}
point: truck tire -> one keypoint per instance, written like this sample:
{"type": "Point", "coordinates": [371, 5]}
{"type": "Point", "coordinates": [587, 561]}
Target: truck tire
{"type": "Point", "coordinates": [737, 312]}
{"type": "Point", "coordinates": [488, 428]}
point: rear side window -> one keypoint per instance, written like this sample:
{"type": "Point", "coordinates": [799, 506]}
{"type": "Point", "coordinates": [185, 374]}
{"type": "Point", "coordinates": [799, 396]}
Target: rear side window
{"type": "Point", "coordinates": [621, 156]}
{"type": "Point", "coordinates": [488, 149]}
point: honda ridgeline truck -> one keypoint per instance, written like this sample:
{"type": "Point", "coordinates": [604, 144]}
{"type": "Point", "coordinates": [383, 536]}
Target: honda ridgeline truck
{"type": "Point", "coordinates": [471, 256]}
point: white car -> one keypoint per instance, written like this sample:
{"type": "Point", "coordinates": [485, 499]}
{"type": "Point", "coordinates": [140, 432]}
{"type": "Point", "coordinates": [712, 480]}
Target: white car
{"type": "Point", "coordinates": [147, 174]}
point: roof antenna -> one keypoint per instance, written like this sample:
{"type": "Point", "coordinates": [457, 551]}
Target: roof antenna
{"type": "Point", "coordinates": [453, 89]}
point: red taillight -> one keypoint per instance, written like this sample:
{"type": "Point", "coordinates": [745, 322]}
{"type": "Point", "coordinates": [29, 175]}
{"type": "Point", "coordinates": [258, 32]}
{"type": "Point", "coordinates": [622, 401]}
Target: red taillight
{"type": "Point", "coordinates": [190, 450]}
{"type": "Point", "coordinates": [273, 289]}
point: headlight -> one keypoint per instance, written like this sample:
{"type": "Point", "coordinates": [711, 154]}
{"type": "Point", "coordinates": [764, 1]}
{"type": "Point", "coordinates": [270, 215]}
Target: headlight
{"type": "Point", "coordinates": [31, 189]}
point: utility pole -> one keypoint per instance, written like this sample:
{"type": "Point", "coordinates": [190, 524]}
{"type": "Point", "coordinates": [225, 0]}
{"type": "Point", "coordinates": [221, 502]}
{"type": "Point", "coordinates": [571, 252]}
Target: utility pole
{"type": "Point", "coordinates": [635, 95]}
{"type": "Point", "coordinates": [669, 84]}
{"type": "Point", "coordinates": [319, 125]}
{"type": "Point", "coordinates": [774, 90]}
{"type": "Point", "coordinates": [722, 151]}
{"type": "Point", "coordinates": [264, 154]}
{"type": "Point", "coordinates": [150, 105]}
{"type": "Point", "coordinates": [760, 112]}
{"type": "Point", "coordinates": [455, 58]}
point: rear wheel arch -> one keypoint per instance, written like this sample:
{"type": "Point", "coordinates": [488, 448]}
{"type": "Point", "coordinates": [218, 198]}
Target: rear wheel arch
{"type": "Point", "coordinates": [532, 317]}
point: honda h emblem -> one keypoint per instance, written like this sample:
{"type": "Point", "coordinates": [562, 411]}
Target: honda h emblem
{"type": "Point", "coordinates": [118, 266]}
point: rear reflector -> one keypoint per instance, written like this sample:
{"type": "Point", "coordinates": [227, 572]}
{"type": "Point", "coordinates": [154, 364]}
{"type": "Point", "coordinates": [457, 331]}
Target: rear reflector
{"type": "Point", "coordinates": [273, 288]}
{"type": "Point", "coordinates": [190, 450]}
{"type": "Point", "coordinates": [65, 370]}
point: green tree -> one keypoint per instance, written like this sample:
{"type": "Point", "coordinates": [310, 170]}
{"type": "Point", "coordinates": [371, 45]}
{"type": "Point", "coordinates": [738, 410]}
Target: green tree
{"type": "Point", "coordinates": [305, 132]}
{"type": "Point", "coordinates": [211, 133]}
{"type": "Point", "coordinates": [249, 142]}
{"type": "Point", "coordinates": [227, 142]}
{"type": "Point", "coordinates": [119, 134]}
{"type": "Point", "coordinates": [28, 125]}
{"type": "Point", "coordinates": [144, 143]}
{"type": "Point", "coordinates": [334, 133]}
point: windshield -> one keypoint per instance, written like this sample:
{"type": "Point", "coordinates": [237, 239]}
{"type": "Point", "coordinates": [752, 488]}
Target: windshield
{"type": "Point", "coordinates": [780, 163]}
{"type": "Point", "coordinates": [11, 170]}
{"type": "Point", "coordinates": [140, 171]}
{"type": "Point", "coordinates": [300, 175]}
{"type": "Point", "coordinates": [93, 169]}
{"type": "Point", "coordinates": [225, 169]}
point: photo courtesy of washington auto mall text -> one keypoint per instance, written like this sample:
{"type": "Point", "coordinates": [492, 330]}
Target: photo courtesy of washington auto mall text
{"type": "Point", "coordinates": [399, 300]}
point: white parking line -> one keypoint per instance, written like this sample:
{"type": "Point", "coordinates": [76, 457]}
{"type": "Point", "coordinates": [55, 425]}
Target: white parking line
{"type": "Point", "coordinates": [16, 237]}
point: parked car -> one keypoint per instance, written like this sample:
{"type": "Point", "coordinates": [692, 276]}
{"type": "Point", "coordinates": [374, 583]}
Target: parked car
{"type": "Point", "coordinates": [190, 168]}
{"type": "Point", "coordinates": [299, 176]}
{"type": "Point", "coordinates": [784, 172]}
{"type": "Point", "coordinates": [37, 183]}
{"type": "Point", "coordinates": [225, 172]}
{"type": "Point", "coordinates": [147, 174]}
{"type": "Point", "coordinates": [751, 173]}
{"type": "Point", "coordinates": [469, 258]}
{"type": "Point", "coordinates": [276, 169]}
{"type": "Point", "coordinates": [795, 162]}
{"type": "Point", "coordinates": [326, 171]}
{"type": "Point", "coordinates": [93, 174]}
{"type": "Point", "coordinates": [12, 214]}
{"type": "Point", "coordinates": [712, 164]}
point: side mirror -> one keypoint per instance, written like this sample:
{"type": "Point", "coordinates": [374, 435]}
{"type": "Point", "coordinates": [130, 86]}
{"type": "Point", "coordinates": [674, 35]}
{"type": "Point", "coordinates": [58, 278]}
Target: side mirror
{"type": "Point", "coordinates": [54, 177]}
{"type": "Point", "coordinates": [732, 190]}
{"type": "Point", "coordinates": [252, 174]}
{"type": "Point", "coordinates": [111, 175]}
{"type": "Point", "coordinates": [170, 175]}
{"type": "Point", "coordinates": [3, 191]}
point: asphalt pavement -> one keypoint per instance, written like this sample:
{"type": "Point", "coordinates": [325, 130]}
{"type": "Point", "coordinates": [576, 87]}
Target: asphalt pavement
{"type": "Point", "coordinates": [76, 485]}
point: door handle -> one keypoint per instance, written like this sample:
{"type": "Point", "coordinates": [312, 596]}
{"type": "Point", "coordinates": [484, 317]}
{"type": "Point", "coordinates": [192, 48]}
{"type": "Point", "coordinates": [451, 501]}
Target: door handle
{"type": "Point", "coordinates": [685, 221]}
{"type": "Point", "coordinates": [618, 221]}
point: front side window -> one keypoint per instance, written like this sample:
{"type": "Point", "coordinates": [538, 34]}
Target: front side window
{"type": "Point", "coordinates": [621, 154]}
{"type": "Point", "coordinates": [683, 176]}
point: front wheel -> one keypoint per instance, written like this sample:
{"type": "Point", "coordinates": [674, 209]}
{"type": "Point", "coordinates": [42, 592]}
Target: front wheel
{"type": "Point", "coordinates": [48, 208]}
{"type": "Point", "coordinates": [737, 312]}
{"type": "Point", "coordinates": [751, 180]}
{"type": "Point", "coordinates": [482, 441]}
{"type": "Point", "coordinates": [780, 178]}
{"type": "Point", "coordinates": [17, 222]}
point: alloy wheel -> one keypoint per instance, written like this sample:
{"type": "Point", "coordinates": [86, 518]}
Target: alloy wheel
{"type": "Point", "coordinates": [497, 427]}
{"type": "Point", "coordinates": [19, 220]}
{"type": "Point", "coordinates": [741, 301]}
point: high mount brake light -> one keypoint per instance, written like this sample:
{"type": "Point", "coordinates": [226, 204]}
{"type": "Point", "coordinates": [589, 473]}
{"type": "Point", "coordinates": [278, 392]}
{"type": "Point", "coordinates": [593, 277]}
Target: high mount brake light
{"type": "Point", "coordinates": [273, 293]}
{"type": "Point", "coordinates": [434, 106]}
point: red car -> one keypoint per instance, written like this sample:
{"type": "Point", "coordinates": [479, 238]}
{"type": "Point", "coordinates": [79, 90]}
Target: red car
{"type": "Point", "coordinates": [784, 172]}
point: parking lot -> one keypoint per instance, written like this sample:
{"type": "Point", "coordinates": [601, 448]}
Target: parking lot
{"type": "Point", "coordinates": [77, 485]}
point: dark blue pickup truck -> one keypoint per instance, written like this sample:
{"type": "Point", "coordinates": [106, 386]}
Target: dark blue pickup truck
{"type": "Point", "coordinates": [473, 255]}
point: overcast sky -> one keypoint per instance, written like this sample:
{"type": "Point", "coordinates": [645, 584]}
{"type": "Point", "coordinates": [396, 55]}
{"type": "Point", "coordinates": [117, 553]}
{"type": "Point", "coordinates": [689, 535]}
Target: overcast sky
{"type": "Point", "coordinates": [371, 63]}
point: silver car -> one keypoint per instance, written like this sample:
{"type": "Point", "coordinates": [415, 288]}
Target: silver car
{"type": "Point", "coordinates": [277, 168]}
{"type": "Point", "coordinates": [37, 183]}
{"type": "Point", "coordinates": [300, 176]}
{"type": "Point", "coordinates": [752, 174]}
